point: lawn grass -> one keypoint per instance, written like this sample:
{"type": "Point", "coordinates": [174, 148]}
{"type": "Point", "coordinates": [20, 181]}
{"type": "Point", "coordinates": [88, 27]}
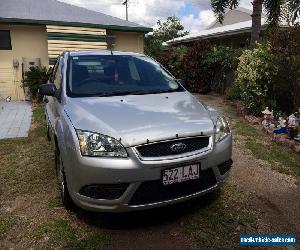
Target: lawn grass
{"type": "Point", "coordinates": [289, 162]}
{"type": "Point", "coordinates": [219, 225]}
{"type": "Point", "coordinates": [243, 128]}
{"type": "Point", "coordinates": [60, 232]}
{"type": "Point", "coordinates": [262, 147]}
{"type": "Point", "coordinates": [7, 221]}
{"type": "Point", "coordinates": [36, 218]}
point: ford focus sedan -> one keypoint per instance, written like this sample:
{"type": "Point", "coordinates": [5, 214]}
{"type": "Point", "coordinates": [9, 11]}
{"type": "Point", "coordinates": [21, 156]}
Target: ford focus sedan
{"type": "Point", "coordinates": [128, 136]}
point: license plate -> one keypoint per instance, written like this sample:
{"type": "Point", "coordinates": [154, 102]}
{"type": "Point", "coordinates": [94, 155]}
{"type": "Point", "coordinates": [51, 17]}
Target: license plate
{"type": "Point", "coordinates": [181, 174]}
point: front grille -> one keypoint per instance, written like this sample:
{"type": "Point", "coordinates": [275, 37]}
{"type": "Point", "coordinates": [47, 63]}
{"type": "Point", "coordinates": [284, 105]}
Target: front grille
{"type": "Point", "coordinates": [154, 191]}
{"type": "Point", "coordinates": [104, 191]}
{"type": "Point", "coordinates": [164, 148]}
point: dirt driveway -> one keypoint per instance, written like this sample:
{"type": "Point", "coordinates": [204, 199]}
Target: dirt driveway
{"type": "Point", "coordinates": [256, 199]}
{"type": "Point", "coordinates": [275, 195]}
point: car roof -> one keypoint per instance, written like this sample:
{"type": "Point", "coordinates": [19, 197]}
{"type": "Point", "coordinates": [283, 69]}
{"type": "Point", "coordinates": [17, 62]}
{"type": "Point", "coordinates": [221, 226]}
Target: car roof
{"type": "Point", "coordinates": [103, 52]}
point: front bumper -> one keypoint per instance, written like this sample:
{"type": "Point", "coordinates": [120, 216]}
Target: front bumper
{"type": "Point", "coordinates": [143, 176]}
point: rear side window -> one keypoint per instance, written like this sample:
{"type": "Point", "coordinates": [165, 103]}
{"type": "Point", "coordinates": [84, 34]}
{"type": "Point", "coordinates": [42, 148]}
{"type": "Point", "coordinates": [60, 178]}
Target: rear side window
{"type": "Point", "coordinates": [5, 41]}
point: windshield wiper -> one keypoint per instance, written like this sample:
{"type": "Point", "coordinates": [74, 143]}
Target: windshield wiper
{"type": "Point", "coordinates": [107, 94]}
{"type": "Point", "coordinates": [133, 92]}
{"type": "Point", "coordinates": [165, 91]}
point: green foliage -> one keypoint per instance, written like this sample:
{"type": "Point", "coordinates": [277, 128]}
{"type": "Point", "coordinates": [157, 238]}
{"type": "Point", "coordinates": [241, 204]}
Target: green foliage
{"type": "Point", "coordinates": [254, 79]}
{"type": "Point", "coordinates": [286, 50]}
{"type": "Point", "coordinates": [164, 31]}
{"type": "Point", "coordinates": [278, 10]}
{"type": "Point", "coordinates": [153, 46]}
{"type": "Point", "coordinates": [169, 29]}
{"type": "Point", "coordinates": [172, 59]}
{"type": "Point", "coordinates": [221, 62]}
{"type": "Point", "coordinates": [270, 74]}
{"type": "Point", "coordinates": [34, 78]}
{"type": "Point", "coordinates": [196, 77]}
{"type": "Point", "coordinates": [203, 67]}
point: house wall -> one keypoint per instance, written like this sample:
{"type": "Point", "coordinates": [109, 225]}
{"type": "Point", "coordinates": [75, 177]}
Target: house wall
{"type": "Point", "coordinates": [62, 38]}
{"type": "Point", "coordinates": [128, 41]}
{"type": "Point", "coordinates": [27, 41]}
{"type": "Point", "coordinates": [47, 42]}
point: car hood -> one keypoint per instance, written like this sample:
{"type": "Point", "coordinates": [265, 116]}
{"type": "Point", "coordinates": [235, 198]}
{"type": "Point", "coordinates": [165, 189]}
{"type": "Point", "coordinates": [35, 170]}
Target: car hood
{"type": "Point", "coordinates": [137, 118]}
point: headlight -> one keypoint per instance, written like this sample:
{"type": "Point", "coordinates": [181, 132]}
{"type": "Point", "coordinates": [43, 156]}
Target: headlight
{"type": "Point", "coordinates": [94, 144]}
{"type": "Point", "coordinates": [222, 129]}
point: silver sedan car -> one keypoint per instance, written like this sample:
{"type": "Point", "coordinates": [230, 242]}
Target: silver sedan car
{"type": "Point", "coordinates": [128, 136]}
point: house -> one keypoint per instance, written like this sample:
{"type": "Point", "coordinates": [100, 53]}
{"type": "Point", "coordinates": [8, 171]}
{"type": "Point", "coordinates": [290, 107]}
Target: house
{"type": "Point", "coordinates": [235, 30]}
{"type": "Point", "coordinates": [35, 32]}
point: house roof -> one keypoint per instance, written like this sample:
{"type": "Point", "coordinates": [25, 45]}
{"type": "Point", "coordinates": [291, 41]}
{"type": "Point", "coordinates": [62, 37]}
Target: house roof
{"type": "Point", "coordinates": [239, 9]}
{"type": "Point", "coordinates": [59, 13]}
{"type": "Point", "coordinates": [231, 29]}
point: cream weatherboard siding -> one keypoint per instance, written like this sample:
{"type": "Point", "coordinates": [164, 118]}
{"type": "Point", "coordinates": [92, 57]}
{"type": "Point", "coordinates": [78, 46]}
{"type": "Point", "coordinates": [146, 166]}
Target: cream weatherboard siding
{"type": "Point", "coordinates": [28, 41]}
{"type": "Point", "coordinates": [128, 41]}
{"type": "Point", "coordinates": [7, 83]}
{"type": "Point", "coordinates": [62, 38]}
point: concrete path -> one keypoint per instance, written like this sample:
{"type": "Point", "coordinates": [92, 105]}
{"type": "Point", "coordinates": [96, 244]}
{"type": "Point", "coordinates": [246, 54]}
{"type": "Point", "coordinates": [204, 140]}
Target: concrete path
{"type": "Point", "coordinates": [15, 119]}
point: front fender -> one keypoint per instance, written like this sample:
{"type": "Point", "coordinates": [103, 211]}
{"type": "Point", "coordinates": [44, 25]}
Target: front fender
{"type": "Point", "coordinates": [67, 142]}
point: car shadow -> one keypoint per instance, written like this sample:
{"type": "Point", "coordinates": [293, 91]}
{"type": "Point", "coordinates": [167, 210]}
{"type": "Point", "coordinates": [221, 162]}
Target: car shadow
{"type": "Point", "coordinates": [146, 218]}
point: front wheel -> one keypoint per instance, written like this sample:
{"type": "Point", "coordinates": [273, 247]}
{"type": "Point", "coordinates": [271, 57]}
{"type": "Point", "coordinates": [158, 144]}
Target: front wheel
{"type": "Point", "coordinates": [62, 183]}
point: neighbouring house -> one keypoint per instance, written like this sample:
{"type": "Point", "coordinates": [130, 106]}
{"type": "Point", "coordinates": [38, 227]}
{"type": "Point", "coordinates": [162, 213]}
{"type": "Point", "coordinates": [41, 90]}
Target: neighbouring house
{"type": "Point", "coordinates": [35, 32]}
{"type": "Point", "coordinates": [235, 30]}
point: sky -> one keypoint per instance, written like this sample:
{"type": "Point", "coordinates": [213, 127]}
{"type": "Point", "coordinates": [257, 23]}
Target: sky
{"type": "Point", "coordinates": [194, 14]}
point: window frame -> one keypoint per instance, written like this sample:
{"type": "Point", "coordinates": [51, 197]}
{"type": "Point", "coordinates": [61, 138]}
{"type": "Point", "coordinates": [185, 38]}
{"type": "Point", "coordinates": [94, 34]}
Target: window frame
{"type": "Point", "coordinates": [9, 36]}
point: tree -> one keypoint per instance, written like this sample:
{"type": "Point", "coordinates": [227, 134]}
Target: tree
{"type": "Point", "coordinates": [275, 9]}
{"type": "Point", "coordinates": [169, 29]}
{"type": "Point", "coordinates": [164, 31]}
{"type": "Point", "coordinates": [153, 46]}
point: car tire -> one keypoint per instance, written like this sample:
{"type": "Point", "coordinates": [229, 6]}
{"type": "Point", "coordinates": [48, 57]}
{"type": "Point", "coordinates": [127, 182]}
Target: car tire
{"type": "Point", "coordinates": [62, 182]}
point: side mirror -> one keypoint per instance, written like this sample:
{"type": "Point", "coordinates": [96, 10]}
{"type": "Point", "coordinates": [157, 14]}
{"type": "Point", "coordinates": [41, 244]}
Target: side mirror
{"type": "Point", "coordinates": [47, 89]}
{"type": "Point", "coordinates": [49, 72]}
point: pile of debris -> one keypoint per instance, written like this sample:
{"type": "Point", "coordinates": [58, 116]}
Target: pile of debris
{"type": "Point", "coordinates": [285, 129]}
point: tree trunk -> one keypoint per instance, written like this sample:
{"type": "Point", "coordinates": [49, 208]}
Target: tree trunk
{"type": "Point", "coordinates": [256, 21]}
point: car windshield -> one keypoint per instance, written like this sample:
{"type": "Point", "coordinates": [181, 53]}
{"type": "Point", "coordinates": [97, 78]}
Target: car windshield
{"type": "Point", "coordinates": [109, 75]}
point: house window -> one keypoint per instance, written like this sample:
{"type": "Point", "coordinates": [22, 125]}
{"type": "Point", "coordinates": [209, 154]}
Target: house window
{"type": "Point", "coordinates": [5, 42]}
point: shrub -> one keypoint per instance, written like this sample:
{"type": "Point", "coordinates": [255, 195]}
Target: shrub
{"type": "Point", "coordinates": [221, 62]}
{"type": "Point", "coordinates": [254, 79]}
{"type": "Point", "coordinates": [153, 46]}
{"type": "Point", "coordinates": [284, 45]}
{"type": "Point", "coordinates": [172, 59]}
{"type": "Point", "coordinates": [197, 77]}
{"type": "Point", "coordinates": [34, 78]}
